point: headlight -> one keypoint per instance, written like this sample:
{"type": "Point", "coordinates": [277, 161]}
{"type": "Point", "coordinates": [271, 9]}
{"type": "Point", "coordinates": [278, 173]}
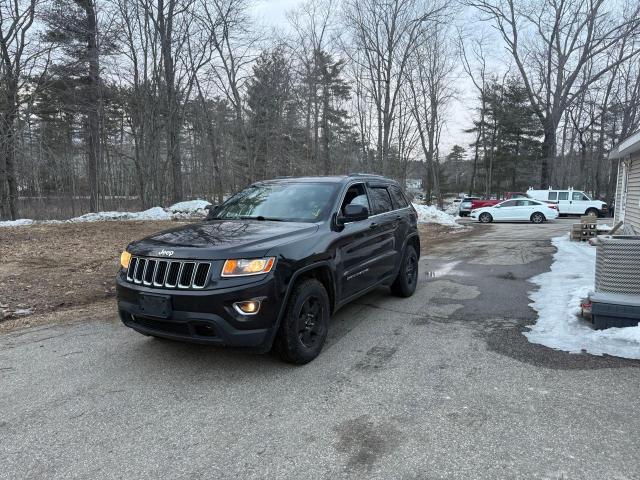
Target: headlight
{"type": "Point", "coordinates": [125, 258]}
{"type": "Point", "coordinates": [247, 266]}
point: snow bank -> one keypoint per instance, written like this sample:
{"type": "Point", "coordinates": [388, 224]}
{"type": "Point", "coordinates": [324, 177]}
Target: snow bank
{"type": "Point", "coordinates": [557, 302]}
{"type": "Point", "coordinates": [430, 214]}
{"type": "Point", "coordinates": [155, 213]}
{"type": "Point", "coordinates": [178, 211]}
{"type": "Point", "coordinates": [16, 223]}
{"type": "Point", "coordinates": [189, 208]}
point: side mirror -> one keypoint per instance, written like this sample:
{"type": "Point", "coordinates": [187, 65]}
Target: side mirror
{"type": "Point", "coordinates": [355, 213]}
{"type": "Point", "coordinates": [211, 210]}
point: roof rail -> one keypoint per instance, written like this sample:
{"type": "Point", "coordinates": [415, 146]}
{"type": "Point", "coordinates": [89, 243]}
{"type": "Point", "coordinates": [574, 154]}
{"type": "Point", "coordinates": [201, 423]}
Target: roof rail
{"type": "Point", "coordinates": [360, 174]}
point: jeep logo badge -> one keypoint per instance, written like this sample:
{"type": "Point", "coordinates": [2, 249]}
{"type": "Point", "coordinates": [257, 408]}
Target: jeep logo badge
{"type": "Point", "coordinates": [165, 253]}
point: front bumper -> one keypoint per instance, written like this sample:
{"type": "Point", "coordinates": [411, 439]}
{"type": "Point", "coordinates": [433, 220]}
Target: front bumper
{"type": "Point", "coordinates": [205, 316]}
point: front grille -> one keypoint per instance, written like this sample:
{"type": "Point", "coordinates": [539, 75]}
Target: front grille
{"type": "Point", "coordinates": [183, 274]}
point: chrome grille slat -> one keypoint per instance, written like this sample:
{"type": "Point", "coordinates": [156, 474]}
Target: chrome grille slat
{"type": "Point", "coordinates": [157, 273]}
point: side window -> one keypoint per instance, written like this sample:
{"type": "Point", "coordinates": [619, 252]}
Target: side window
{"type": "Point", "coordinates": [380, 200]}
{"type": "Point", "coordinates": [578, 196]}
{"type": "Point", "coordinates": [509, 203]}
{"type": "Point", "coordinates": [356, 195]}
{"type": "Point", "coordinates": [522, 203]}
{"type": "Point", "coordinates": [553, 196]}
{"type": "Point", "coordinates": [563, 195]}
{"type": "Point", "coordinates": [399, 200]}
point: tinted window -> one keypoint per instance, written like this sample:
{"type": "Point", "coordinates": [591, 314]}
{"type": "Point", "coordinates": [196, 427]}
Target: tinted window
{"type": "Point", "coordinates": [293, 202]}
{"type": "Point", "coordinates": [563, 195]}
{"type": "Point", "coordinates": [523, 203]}
{"type": "Point", "coordinates": [509, 203]}
{"type": "Point", "coordinates": [398, 198]}
{"type": "Point", "coordinates": [553, 195]}
{"type": "Point", "coordinates": [380, 200]}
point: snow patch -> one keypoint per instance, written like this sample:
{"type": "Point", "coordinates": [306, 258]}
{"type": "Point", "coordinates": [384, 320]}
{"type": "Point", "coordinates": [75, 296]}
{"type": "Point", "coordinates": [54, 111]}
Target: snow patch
{"type": "Point", "coordinates": [431, 214]}
{"type": "Point", "coordinates": [155, 213]}
{"type": "Point", "coordinates": [178, 211]}
{"type": "Point", "coordinates": [16, 223]}
{"type": "Point", "coordinates": [189, 208]}
{"type": "Point", "coordinates": [558, 301]}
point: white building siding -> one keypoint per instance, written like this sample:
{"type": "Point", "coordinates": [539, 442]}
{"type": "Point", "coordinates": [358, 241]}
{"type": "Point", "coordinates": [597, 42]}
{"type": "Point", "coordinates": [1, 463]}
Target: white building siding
{"type": "Point", "coordinates": [618, 198]}
{"type": "Point", "coordinates": [632, 207]}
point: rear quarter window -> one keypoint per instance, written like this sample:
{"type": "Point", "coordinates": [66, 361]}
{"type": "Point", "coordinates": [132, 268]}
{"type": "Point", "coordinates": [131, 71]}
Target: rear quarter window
{"type": "Point", "coordinates": [553, 195]}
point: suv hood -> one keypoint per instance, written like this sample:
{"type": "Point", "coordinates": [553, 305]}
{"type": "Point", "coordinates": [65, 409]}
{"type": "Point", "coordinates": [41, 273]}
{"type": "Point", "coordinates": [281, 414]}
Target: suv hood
{"type": "Point", "coordinates": [221, 238]}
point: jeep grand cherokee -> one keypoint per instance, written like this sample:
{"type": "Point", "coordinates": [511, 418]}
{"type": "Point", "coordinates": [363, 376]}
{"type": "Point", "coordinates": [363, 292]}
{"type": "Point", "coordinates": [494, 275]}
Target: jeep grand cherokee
{"type": "Point", "coordinates": [269, 266]}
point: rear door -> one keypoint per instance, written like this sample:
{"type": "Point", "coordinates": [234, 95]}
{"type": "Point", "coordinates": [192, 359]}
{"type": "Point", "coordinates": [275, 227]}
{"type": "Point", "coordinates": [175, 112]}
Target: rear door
{"type": "Point", "coordinates": [385, 225]}
{"type": "Point", "coordinates": [564, 202]}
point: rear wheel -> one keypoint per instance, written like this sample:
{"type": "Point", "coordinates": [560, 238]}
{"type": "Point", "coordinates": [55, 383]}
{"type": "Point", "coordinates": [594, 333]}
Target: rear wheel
{"type": "Point", "coordinates": [538, 217]}
{"type": "Point", "coordinates": [485, 217]}
{"type": "Point", "coordinates": [303, 329]}
{"type": "Point", "coordinates": [405, 283]}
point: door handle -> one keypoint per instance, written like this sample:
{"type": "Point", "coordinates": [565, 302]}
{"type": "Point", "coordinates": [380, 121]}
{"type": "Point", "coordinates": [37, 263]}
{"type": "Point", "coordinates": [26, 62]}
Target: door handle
{"type": "Point", "coordinates": [373, 225]}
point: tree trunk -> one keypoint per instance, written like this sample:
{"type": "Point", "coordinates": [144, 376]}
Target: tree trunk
{"type": "Point", "coordinates": [94, 106]}
{"type": "Point", "coordinates": [9, 188]}
{"type": "Point", "coordinates": [548, 153]}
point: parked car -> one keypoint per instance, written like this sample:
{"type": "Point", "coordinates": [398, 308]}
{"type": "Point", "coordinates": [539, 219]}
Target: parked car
{"type": "Point", "coordinates": [269, 265]}
{"type": "Point", "coordinates": [490, 203]}
{"type": "Point", "coordinates": [570, 202]}
{"type": "Point", "coordinates": [466, 206]}
{"type": "Point", "coordinates": [516, 210]}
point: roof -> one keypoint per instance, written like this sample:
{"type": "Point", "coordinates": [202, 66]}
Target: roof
{"type": "Point", "coordinates": [626, 147]}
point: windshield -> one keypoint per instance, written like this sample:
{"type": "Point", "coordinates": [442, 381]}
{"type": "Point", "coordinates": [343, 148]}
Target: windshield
{"type": "Point", "coordinates": [286, 202]}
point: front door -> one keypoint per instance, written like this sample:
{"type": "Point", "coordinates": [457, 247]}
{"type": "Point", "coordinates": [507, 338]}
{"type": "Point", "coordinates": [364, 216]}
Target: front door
{"type": "Point", "coordinates": [357, 247]}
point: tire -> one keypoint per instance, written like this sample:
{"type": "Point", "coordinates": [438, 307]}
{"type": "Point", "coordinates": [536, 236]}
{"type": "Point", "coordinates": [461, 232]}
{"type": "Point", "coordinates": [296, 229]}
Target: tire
{"type": "Point", "coordinates": [485, 218]}
{"type": "Point", "coordinates": [405, 283]}
{"type": "Point", "coordinates": [304, 326]}
{"type": "Point", "coordinates": [592, 211]}
{"type": "Point", "coordinates": [538, 217]}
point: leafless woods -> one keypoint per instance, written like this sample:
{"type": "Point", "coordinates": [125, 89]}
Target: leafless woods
{"type": "Point", "coordinates": [135, 103]}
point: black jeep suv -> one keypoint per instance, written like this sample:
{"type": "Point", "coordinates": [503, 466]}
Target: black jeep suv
{"type": "Point", "coordinates": [268, 266]}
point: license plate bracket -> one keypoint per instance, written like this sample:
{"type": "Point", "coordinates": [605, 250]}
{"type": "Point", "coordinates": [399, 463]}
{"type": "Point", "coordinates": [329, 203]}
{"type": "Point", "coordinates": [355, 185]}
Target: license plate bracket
{"type": "Point", "coordinates": [155, 305]}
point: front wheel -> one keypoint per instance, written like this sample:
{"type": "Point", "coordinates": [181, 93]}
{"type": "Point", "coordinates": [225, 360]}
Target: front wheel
{"type": "Point", "coordinates": [305, 324]}
{"type": "Point", "coordinates": [485, 218]}
{"type": "Point", "coordinates": [537, 217]}
{"type": "Point", "coordinates": [592, 211]}
{"type": "Point", "coordinates": [405, 283]}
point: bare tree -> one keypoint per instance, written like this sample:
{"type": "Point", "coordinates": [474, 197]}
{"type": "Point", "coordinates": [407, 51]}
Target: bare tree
{"type": "Point", "coordinates": [385, 34]}
{"type": "Point", "coordinates": [430, 79]}
{"type": "Point", "coordinates": [552, 42]}
{"type": "Point", "coordinates": [17, 55]}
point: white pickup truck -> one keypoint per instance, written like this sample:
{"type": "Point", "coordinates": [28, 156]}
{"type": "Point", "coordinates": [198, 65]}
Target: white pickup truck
{"type": "Point", "coordinates": [570, 201]}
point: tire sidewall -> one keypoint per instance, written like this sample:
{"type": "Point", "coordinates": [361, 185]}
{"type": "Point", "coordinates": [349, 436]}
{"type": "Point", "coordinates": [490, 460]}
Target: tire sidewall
{"type": "Point", "coordinates": [539, 216]}
{"type": "Point", "coordinates": [485, 215]}
{"type": "Point", "coordinates": [294, 349]}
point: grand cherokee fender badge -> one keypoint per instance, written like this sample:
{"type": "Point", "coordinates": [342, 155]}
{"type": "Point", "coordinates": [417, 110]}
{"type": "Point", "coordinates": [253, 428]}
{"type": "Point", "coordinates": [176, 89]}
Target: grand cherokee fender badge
{"type": "Point", "coordinates": [165, 253]}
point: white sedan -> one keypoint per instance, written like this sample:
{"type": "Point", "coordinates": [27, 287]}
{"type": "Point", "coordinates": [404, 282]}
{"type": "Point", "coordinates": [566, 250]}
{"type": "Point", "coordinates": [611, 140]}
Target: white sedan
{"type": "Point", "coordinates": [514, 210]}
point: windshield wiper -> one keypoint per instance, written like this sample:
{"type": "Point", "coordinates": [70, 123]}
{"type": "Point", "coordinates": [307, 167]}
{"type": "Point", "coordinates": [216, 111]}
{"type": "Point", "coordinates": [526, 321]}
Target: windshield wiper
{"type": "Point", "coordinates": [261, 218]}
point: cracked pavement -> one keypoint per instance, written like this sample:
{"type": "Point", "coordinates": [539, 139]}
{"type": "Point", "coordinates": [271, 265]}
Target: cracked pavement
{"type": "Point", "coordinates": [441, 385]}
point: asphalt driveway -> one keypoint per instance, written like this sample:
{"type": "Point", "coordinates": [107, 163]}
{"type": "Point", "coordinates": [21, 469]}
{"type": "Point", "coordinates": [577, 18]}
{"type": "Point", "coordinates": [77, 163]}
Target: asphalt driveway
{"type": "Point", "coordinates": [441, 385]}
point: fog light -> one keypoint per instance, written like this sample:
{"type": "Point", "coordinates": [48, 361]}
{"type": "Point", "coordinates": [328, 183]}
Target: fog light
{"type": "Point", "coordinates": [248, 307]}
